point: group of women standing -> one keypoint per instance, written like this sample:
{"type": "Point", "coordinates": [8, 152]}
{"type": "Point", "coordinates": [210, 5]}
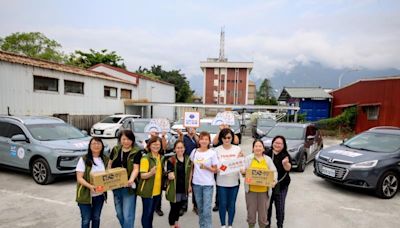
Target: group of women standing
{"type": "Point", "coordinates": [185, 172]}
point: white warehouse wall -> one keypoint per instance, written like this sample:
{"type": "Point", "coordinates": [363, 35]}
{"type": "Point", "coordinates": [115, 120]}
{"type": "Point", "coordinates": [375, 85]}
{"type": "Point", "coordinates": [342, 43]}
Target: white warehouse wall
{"type": "Point", "coordinates": [16, 92]}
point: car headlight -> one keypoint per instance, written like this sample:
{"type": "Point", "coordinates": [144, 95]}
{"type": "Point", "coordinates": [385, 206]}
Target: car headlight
{"type": "Point", "coordinates": [317, 155]}
{"type": "Point", "coordinates": [259, 132]}
{"type": "Point", "coordinates": [61, 151]}
{"type": "Point", "coordinates": [292, 149]}
{"type": "Point", "coordinates": [365, 165]}
{"type": "Point", "coordinates": [237, 131]}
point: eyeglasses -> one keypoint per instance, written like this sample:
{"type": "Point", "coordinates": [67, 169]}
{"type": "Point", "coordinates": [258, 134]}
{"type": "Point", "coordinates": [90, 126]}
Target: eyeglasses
{"type": "Point", "coordinates": [227, 137]}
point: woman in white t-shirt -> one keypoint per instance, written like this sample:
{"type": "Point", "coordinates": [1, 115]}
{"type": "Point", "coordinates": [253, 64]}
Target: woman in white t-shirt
{"type": "Point", "coordinates": [90, 200]}
{"type": "Point", "coordinates": [205, 165]}
{"type": "Point", "coordinates": [227, 184]}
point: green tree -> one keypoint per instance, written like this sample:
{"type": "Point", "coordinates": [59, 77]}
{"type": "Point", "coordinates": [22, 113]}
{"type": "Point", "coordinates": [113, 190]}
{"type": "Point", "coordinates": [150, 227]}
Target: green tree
{"type": "Point", "coordinates": [88, 59]}
{"type": "Point", "coordinates": [183, 92]}
{"type": "Point", "coordinates": [32, 44]}
{"type": "Point", "coordinates": [265, 95]}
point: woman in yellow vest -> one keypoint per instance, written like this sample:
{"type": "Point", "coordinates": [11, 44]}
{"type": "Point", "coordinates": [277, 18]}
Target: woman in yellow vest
{"type": "Point", "coordinates": [151, 167]}
{"type": "Point", "coordinates": [178, 169]}
{"type": "Point", "coordinates": [89, 201]}
{"type": "Point", "coordinates": [257, 196]}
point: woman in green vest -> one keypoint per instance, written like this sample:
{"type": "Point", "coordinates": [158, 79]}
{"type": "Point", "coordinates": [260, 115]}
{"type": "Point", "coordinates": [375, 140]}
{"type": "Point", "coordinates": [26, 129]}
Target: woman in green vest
{"type": "Point", "coordinates": [149, 188]}
{"type": "Point", "coordinates": [90, 201]}
{"type": "Point", "coordinates": [126, 156]}
{"type": "Point", "coordinates": [178, 169]}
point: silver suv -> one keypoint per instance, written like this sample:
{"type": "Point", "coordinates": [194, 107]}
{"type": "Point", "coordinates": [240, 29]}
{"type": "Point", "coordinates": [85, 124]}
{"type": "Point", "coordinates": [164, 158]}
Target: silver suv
{"type": "Point", "coordinates": [43, 146]}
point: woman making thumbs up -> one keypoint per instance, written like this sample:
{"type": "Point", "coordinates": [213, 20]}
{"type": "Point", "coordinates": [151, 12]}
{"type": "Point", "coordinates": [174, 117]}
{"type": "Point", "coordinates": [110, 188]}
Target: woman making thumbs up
{"type": "Point", "coordinates": [282, 161]}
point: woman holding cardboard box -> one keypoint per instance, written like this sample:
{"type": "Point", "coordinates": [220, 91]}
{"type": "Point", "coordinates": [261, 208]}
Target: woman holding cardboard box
{"type": "Point", "coordinates": [151, 171]}
{"type": "Point", "coordinates": [89, 201]}
{"type": "Point", "coordinates": [282, 161]}
{"type": "Point", "coordinates": [125, 155]}
{"type": "Point", "coordinates": [257, 196]}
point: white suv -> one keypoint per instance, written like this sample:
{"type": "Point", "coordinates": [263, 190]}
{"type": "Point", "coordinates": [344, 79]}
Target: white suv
{"type": "Point", "coordinates": [109, 127]}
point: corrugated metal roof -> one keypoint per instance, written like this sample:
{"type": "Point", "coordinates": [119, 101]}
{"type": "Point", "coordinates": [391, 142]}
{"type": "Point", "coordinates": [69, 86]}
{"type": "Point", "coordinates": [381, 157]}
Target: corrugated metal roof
{"type": "Point", "coordinates": [24, 60]}
{"type": "Point", "coordinates": [135, 75]}
{"type": "Point", "coordinates": [303, 92]}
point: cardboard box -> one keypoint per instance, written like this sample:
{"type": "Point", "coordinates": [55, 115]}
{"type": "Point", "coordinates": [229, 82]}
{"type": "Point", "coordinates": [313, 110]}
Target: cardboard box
{"type": "Point", "coordinates": [110, 179]}
{"type": "Point", "coordinates": [259, 177]}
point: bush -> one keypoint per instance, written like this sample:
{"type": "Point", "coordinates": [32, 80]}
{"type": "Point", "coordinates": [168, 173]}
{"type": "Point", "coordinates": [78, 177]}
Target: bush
{"type": "Point", "coordinates": [342, 124]}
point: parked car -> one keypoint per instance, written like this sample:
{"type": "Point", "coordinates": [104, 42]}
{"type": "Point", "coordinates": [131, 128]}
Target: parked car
{"type": "Point", "coordinates": [205, 125]}
{"type": "Point", "coordinates": [369, 160]}
{"type": "Point", "coordinates": [109, 126]}
{"type": "Point", "coordinates": [43, 146]}
{"type": "Point", "coordinates": [303, 142]}
{"type": "Point", "coordinates": [262, 127]}
{"type": "Point", "coordinates": [178, 125]}
{"type": "Point", "coordinates": [138, 128]}
{"type": "Point", "coordinates": [237, 129]}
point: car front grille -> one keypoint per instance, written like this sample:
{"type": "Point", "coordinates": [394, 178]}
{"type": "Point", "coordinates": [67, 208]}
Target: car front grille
{"type": "Point", "coordinates": [340, 172]}
{"type": "Point", "coordinates": [98, 132]}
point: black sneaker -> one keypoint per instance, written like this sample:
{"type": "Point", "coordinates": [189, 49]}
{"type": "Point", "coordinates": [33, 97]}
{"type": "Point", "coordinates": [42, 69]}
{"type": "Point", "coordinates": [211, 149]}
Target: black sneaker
{"type": "Point", "coordinates": [160, 212]}
{"type": "Point", "coordinates": [215, 208]}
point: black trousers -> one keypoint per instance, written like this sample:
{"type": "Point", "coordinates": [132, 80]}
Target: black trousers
{"type": "Point", "coordinates": [278, 198]}
{"type": "Point", "coordinates": [174, 212]}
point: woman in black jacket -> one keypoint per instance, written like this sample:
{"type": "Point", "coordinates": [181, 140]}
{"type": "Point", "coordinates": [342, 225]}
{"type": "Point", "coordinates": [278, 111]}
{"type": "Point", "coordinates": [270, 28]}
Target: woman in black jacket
{"type": "Point", "coordinates": [282, 161]}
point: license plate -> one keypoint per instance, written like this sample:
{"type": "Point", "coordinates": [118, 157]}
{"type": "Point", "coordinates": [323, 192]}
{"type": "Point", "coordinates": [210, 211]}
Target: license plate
{"type": "Point", "coordinates": [328, 171]}
{"type": "Point", "coordinates": [97, 132]}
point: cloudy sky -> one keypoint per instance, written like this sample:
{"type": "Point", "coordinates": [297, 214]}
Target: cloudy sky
{"type": "Point", "coordinates": [179, 34]}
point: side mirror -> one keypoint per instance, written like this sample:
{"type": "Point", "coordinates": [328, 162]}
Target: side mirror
{"type": "Point", "coordinates": [344, 140]}
{"type": "Point", "coordinates": [84, 132]}
{"type": "Point", "coordinates": [19, 138]}
{"type": "Point", "coordinates": [310, 137]}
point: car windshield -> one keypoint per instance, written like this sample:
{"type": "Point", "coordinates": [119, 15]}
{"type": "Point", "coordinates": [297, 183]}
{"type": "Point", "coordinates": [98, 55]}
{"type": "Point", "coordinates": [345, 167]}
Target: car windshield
{"type": "Point", "coordinates": [138, 126]}
{"type": "Point", "coordinates": [265, 123]}
{"type": "Point", "coordinates": [110, 119]}
{"type": "Point", "coordinates": [289, 132]}
{"type": "Point", "coordinates": [212, 129]}
{"type": "Point", "coordinates": [51, 132]}
{"type": "Point", "coordinates": [377, 142]}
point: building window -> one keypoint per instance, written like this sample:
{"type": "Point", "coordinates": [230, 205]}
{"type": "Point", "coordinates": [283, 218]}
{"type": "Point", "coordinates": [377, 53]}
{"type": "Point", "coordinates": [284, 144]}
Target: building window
{"type": "Point", "coordinates": [73, 87]}
{"type": "Point", "coordinates": [216, 82]}
{"type": "Point", "coordinates": [110, 92]}
{"type": "Point", "coordinates": [372, 112]}
{"type": "Point", "coordinates": [126, 94]}
{"type": "Point", "coordinates": [44, 83]}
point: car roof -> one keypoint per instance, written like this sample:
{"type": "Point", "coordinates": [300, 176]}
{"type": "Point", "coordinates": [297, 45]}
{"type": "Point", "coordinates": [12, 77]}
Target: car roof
{"type": "Point", "coordinates": [303, 125]}
{"type": "Point", "coordinates": [385, 130]}
{"type": "Point", "coordinates": [33, 119]}
{"type": "Point", "coordinates": [125, 115]}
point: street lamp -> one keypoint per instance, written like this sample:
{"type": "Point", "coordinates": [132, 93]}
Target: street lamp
{"type": "Point", "coordinates": [344, 72]}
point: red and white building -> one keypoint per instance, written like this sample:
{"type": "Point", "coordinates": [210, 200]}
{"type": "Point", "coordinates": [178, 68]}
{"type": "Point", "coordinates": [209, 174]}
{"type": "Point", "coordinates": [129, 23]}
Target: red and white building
{"type": "Point", "coordinates": [225, 82]}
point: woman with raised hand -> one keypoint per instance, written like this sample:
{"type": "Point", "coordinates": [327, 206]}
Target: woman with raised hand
{"type": "Point", "coordinates": [178, 169]}
{"type": "Point", "coordinates": [282, 161]}
{"type": "Point", "coordinates": [205, 165]}
{"type": "Point", "coordinates": [149, 188]}
{"type": "Point", "coordinates": [126, 156]}
{"type": "Point", "coordinates": [89, 201]}
{"type": "Point", "coordinates": [257, 196]}
{"type": "Point", "coordinates": [228, 184]}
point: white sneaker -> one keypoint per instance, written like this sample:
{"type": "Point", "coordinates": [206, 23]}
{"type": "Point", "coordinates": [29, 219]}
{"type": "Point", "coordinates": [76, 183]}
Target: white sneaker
{"type": "Point", "coordinates": [222, 226]}
{"type": "Point", "coordinates": [229, 226]}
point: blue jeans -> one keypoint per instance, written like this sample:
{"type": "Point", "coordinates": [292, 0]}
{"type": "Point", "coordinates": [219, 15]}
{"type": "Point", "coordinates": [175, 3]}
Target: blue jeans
{"type": "Point", "coordinates": [149, 205]}
{"type": "Point", "coordinates": [125, 206]}
{"type": "Point", "coordinates": [204, 195]}
{"type": "Point", "coordinates": [91, 212]}
{"type": "Point", "coordinates": [227, 202]}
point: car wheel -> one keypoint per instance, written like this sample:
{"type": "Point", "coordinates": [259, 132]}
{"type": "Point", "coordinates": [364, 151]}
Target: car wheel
{"type": "Point", "coordinates": [41, 172]}
{"type": "Point", "coordinates": [387, 185]}
{"type": "Point", "coordinates": [117, 133]}
{"type": "Point", "coordinates": [302, 163]}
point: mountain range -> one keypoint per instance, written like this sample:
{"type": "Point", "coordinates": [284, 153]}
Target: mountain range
{"type": "Point", "coordinates": [312, 74]}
